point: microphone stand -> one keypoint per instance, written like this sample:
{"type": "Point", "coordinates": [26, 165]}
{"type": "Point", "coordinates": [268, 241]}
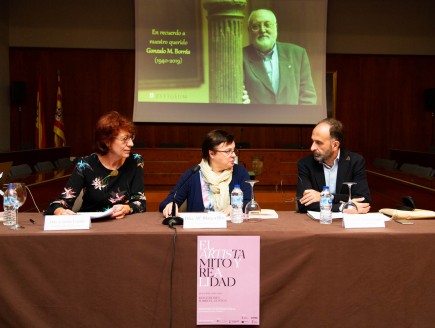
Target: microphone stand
{"type": "Point", "coordinates": [173, 219]}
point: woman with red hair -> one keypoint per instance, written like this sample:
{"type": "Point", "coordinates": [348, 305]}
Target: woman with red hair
{"type": "Point", "coordinates": [111, 178]}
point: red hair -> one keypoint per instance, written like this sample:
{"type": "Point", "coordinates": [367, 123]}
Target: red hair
{"type": "Point", "coordinates": [107, 129]}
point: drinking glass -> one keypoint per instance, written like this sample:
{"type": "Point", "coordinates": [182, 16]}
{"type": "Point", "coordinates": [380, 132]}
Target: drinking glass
{"type": "Point", "coordinates": [20, 189]}
{"type": "Point", "coordinates": [252, 205]}
{"type": "Point", "coordinates": [349, 205]}
{"type": "Point", "coordinates": [285, 194]}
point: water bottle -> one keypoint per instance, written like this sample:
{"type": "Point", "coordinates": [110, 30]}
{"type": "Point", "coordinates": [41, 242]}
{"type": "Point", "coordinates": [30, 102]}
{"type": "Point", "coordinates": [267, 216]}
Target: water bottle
{"type": "Point", "coordinates": [325, 206]}
{"type": "Point", "coordinates": [237, 204]}
{"type": "Point", "coordinates": [9, 199]}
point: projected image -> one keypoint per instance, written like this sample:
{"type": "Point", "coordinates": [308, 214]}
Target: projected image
{"type": "Point", "coordinates": [197, 61]}
{"type": "Point", "coordinates": [275, 72]}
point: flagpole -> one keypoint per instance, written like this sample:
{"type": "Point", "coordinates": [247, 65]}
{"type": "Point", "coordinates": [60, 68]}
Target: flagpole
{"type": "Point", "coordinates": [59, 128]}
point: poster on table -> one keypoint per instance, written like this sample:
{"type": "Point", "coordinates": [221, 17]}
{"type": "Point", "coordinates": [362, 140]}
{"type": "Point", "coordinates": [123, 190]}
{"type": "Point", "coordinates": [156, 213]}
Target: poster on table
{"type": "Point", "coordinates": [228, 280]}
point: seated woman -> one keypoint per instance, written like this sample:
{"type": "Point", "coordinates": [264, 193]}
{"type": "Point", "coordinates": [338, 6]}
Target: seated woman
{"type": "Point", "coordinates": [110, 177]}
{"type": "Point", "coordinates": [210, 188]}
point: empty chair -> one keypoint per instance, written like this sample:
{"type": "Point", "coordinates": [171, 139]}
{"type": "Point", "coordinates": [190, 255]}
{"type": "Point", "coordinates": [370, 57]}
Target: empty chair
{"type": "Point", "coordinates": [423, 171]}
{"type": "Point", "coordinates": [63, 163]}
{"type": "Point", "coordinates": [20, 170]}
{"type": "Point", "coordinates": [408, 168]}
{"type": "Point", "coordinates": [385, 163]}
{"type": "Point", "coordinates": [415, 169]}
{"type": "Point", "coordinates": [45, 166]}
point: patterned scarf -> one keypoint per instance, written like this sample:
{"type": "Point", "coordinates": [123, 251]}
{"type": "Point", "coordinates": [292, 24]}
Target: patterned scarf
{"type": "Point", "coordinates": [219, 185]}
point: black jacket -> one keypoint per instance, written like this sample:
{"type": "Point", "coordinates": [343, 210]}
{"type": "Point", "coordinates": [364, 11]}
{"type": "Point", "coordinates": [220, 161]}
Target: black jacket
{"type": "Point", "coordinates": [351, 168]}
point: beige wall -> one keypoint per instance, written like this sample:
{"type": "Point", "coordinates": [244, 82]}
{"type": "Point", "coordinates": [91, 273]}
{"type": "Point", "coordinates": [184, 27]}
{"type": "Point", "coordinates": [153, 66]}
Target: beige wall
{"type": "Point", "coordinates": [381, 27]}
{"type": "Point", "coordinates": [354, 26]}
{"type": "Point", "coordinates": [72, 24]}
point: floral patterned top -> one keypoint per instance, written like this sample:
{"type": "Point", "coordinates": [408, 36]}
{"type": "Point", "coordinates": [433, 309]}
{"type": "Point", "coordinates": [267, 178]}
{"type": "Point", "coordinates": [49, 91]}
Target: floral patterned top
{"type": "Point", "coordinates": [103, 188]}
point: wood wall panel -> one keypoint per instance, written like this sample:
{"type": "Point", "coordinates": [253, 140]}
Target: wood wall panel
{"type": "Point", "coordinates": [32, 157]}
{"type": "Point", "coordinates": [379, 99]}
{"type": "Point", "coordinates": [387, 191]}
{"type": "Point", "coordinates": [164, 167]}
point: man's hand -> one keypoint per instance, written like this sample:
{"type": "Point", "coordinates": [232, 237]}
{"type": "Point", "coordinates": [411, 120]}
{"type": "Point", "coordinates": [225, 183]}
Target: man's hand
{"type": "Point", "coordinates": [310, 196]}
{"type": "Point", "coordinates": [362, 207]}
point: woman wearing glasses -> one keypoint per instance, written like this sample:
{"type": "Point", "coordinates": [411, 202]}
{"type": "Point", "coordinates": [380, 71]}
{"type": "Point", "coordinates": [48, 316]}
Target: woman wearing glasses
{"type": "Point", "coordinates": [112, 177]}
{"type": "Point", "coordinates": [210, 188]}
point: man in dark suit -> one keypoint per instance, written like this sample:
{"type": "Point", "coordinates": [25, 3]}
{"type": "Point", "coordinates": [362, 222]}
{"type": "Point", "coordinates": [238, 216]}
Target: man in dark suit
{"type": "Point", "coordinates": [275, 72]}
{"type": "Point", "coordinates": [330, 165]}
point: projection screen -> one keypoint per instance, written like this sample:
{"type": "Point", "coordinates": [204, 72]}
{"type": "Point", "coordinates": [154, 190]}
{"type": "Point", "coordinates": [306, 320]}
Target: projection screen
{"type": "Point", "coordinates": [192, 63]}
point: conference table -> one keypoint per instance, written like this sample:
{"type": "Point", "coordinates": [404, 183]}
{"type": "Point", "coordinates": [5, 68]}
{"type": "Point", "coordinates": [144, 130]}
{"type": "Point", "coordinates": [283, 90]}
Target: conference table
{"type": "Point", "coordinates": [117, 274]}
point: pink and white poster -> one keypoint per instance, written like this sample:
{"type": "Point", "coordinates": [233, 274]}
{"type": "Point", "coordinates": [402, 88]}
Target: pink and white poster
{"type": "Point", "coordinates": [228, 280]}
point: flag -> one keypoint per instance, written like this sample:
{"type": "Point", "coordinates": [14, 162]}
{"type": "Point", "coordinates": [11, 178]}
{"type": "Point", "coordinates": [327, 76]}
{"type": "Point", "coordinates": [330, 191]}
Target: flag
{"type": "Point", "coordinates": [58, 129]}
{"type": "Point", "coordinates": [40, 141]}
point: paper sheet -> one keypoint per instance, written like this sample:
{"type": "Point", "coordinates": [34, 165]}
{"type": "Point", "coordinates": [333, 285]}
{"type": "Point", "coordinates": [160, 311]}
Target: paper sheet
{"type": "Point", "coordinates": [338, 215]}
{"type": "Point", "coordinates": [97, 215]}
{"type": "Point", "coordinates": [316, 215]}
{"type": "Point", "coordinates": [264, 214]}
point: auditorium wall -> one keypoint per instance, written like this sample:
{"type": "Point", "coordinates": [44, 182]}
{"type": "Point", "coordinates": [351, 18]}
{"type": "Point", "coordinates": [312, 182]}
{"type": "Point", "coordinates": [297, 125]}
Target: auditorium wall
{"type": "Point", "coordinates": [383, 56]}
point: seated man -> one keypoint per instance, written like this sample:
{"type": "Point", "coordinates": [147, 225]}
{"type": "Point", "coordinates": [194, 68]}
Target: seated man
{"type": "Point", "coordinates": [330, 165]}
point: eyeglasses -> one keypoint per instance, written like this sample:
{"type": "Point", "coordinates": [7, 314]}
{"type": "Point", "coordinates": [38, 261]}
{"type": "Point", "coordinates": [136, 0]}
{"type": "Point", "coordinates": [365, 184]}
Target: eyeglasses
{"type": "Point", "coordinates": [257, 26]}
{"type": "Point", "coordinates": [228, 152]}
{"type": "Point", "coordinates": [126, 138]}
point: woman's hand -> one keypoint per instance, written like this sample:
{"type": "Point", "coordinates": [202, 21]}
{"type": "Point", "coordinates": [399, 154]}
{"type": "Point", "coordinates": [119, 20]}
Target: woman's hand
{"type": "Point", "coordinates": [167, 211]}
{"type": "Point", "coordinates": [120, 211]}
{"type": "Point", "coordinates": [228, 210]}
{"type": "Point", "coordinates": [63, 211]}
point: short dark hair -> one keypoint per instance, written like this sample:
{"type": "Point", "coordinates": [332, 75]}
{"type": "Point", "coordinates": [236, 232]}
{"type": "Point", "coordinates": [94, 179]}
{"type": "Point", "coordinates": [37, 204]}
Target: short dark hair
{"type": "Point", "coordinates": [107, 129]}
{"type": "Point", "coordinates": [213, 139]}
{"type": "Point", "coordinates": [336, 129]}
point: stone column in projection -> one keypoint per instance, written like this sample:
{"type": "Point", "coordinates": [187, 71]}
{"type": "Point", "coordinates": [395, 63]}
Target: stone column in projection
{"type": "Point", "coordinates": [225, 23]}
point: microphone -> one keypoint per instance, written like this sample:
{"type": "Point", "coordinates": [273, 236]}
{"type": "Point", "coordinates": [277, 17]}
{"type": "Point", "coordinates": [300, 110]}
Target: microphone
{"type": "Point", "coordinates": [114, 173]}
{"type": "Point", "coordinates": [173, 219]}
